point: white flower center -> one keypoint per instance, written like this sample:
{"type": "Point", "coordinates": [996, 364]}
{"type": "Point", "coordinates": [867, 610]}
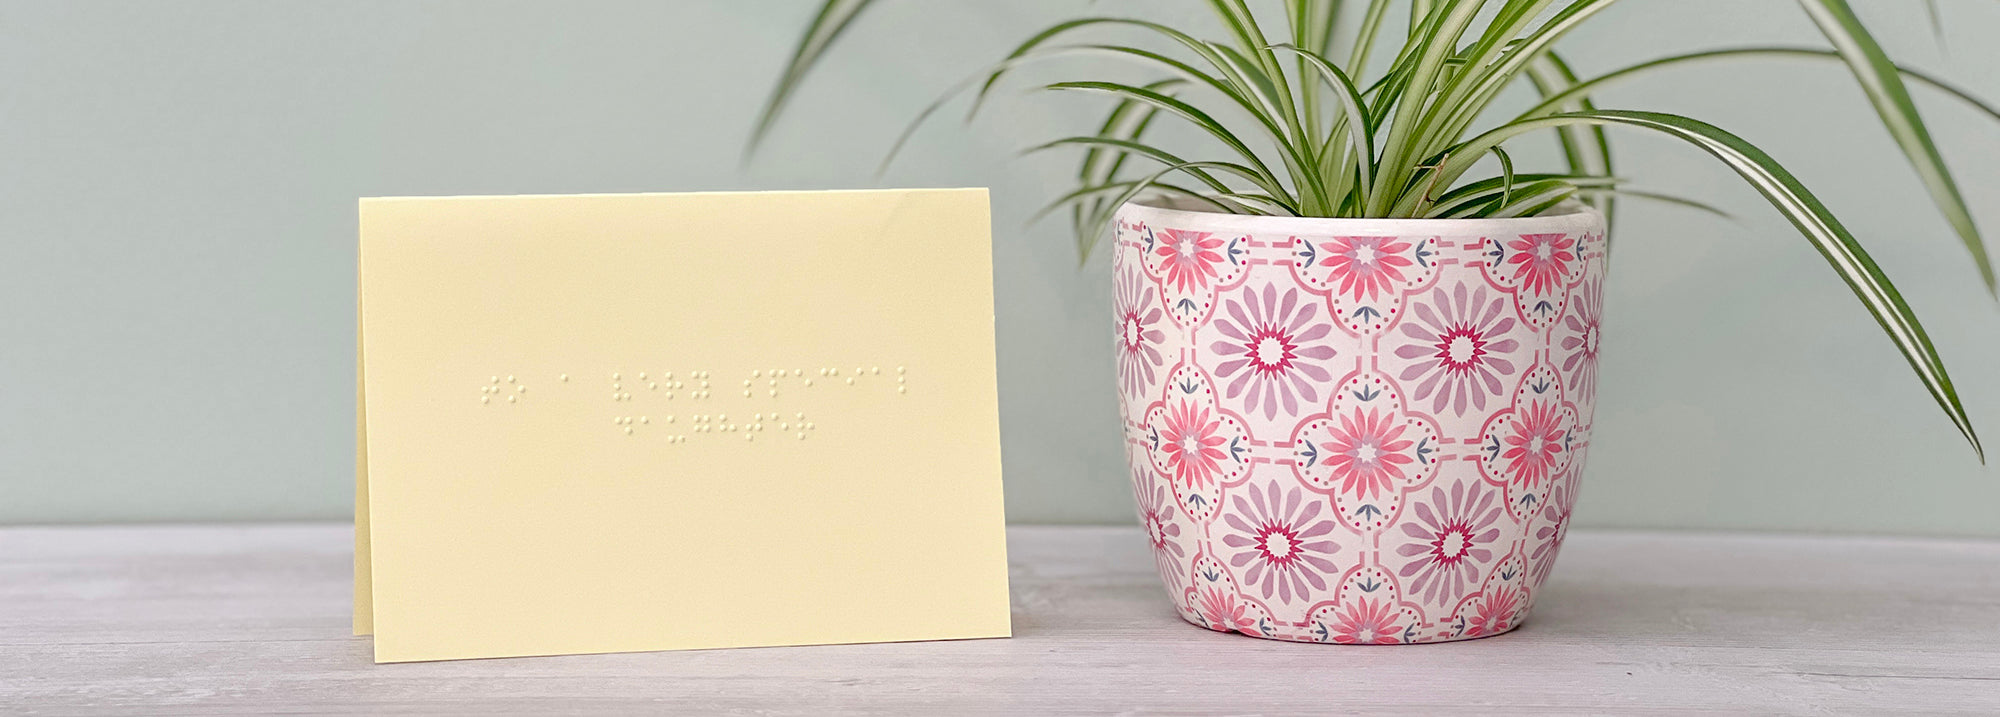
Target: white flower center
{"type": "Point", "coordinates": [1542, 251]}
{"type": "Point", "coordinates": [1454, 543]}
{"type": "Point", "coordinates": [1590, 339]}
{"type": "Point", "coordinates": [1278, 545]}
{"type": "Point", "coordinates": [1365, 254]}
{"type": "Point", "coordinates": [1268, 351]}
{"type": "Point", "coordinates": [1461, 349]}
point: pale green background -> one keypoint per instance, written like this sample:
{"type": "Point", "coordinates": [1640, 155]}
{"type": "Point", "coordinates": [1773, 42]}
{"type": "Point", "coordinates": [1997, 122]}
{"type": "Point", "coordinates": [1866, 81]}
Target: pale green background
{"type": "Point", "coordinates": [177, 186]}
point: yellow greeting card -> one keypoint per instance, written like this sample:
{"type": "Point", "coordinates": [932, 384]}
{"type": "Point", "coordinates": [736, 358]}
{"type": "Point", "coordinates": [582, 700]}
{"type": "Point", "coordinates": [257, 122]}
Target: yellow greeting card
{"type": "Point", "coordinates": [613, 423]}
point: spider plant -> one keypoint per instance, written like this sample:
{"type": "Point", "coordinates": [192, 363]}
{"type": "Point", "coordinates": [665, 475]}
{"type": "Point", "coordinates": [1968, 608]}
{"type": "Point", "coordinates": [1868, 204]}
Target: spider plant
{"type": "Point", "coordinates": [1301, 131]}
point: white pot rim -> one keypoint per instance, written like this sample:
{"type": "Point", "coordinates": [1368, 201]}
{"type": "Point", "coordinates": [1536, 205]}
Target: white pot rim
{"type": "Point", "coordinates": [1568, 217]}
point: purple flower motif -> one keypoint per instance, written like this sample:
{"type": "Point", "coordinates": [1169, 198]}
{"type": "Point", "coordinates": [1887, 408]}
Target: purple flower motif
{"type": "Point", "coordinates": [1156, 508]}
{"type": "Point", "coordinates": [1581, 343]}
{"type": "Point", "coordinates": [1556, 511]}
{"type": "Point", "coordinates": [1280, 541]}
{"type": "Point", "coordinates": [1458, 343]}
{"type": "Point", "coordinates": [1271, 349]}
{"type": "Point", "coordinates": [1138, 340]}
{"type": "Point", "coordinates": [1453, 538]}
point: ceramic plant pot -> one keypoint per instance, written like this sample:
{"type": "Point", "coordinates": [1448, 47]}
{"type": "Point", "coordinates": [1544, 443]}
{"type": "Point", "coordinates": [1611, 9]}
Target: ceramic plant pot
{"type": "Point", "coordinates": [1356, 430]}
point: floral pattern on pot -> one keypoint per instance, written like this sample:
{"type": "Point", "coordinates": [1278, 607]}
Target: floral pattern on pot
{"type": "Point", "coordinates": [1356, 431]}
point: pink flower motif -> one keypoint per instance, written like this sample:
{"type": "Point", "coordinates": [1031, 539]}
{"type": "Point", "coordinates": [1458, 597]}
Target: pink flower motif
{"type": "Point", "coordinates": [1496, 613]}
{"type": "Point", "coordinates": [1366, 452]}
{"type": "Point", "coordinates": [1190, 257]}
{"type": "Point", "coordinates": [1224, 612]}
{"type": "Point", "coordinates": [1541, 260]}
{"type": "Point", "coordinates": [1284, 548]}
{"type": "Point", "coordinates": [1367, 622]}
{"type": "Point", "coordinates": [1272, 348]}
{"type": "Point", "coordinates": [1458, 346]}
{"type": "Point", "coordinates": [1138, 341]}
{"type": "Point", "coordinates": [1581, 343]}
{"type": "Point", "coordinates": [1556, 510]}
{"type": "Point", "coordinates": [1453, 536]}
{"type": "Point", "coordinates": [1365, 265]}
{"type": "Point", "coordinates": [1190, 440]}
{"type": "Point", "coordinates": [1156, 508]}
{"type": "Point", "coordinates": [1536, 444]}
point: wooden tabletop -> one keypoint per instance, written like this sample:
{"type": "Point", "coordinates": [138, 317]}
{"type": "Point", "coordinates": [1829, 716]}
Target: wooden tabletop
{"type": "Point", "coordinates": [254, 620]}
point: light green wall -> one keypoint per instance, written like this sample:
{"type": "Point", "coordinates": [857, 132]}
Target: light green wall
{"type": "Point", "coordinates": [177, 185]}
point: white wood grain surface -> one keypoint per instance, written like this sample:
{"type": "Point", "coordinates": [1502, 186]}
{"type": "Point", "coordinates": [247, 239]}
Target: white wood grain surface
{"type": "Point", "coordinates": [209, 620]}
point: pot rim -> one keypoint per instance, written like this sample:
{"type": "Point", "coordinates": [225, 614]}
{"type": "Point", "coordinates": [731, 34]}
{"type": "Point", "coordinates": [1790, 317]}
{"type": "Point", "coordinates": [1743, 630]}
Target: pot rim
{"type": "Point", "coordinates": [1568, 217]}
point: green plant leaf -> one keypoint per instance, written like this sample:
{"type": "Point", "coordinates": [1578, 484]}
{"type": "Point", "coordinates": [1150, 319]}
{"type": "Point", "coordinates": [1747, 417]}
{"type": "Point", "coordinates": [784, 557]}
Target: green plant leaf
{"type": "Point", "coordinates": [1192, 114]}
{"type": "Point", "coordinates": [1356, 115]}
{"type": "Point", "coordinates": [1883, 83]}
{"type": "Point", "coordinates": [832, 19]}
{"type": "Point", "coordinates": [1586, 149]}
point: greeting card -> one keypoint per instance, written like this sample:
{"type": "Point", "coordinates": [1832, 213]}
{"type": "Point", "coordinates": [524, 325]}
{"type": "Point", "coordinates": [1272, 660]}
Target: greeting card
{"type": "Point", "coordinates": [612, 423]}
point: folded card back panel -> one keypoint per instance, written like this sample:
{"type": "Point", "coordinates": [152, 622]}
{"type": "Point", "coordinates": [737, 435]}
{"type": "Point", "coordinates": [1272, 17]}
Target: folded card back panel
{"type": "Point", "coordinates": [638, 422]}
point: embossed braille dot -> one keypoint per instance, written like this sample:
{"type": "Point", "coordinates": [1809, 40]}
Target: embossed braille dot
{"type": "Point", "coordinates": [875, 369]}
{"type": "Point", "coordinates": [628, 430]}
{"type": "Point", "coordinates": [650, 386]}
{"type": "Point", "coordinates": [512, 399]}
{"type": "Point", "coordinates": [802, 436]}
{"type": "Point", "coordinates": [749, 436]}
{"type": "Point", "coordinates": [850, 380]}
{"type": "Point", "coordinates": [746, 393]}
{"type": "Point", "coordinates": [616, 386]}
{"type": "Point", "coordinates": [798, 372]}
{"type": "Point", "coordinates": [614, 395]}
{"type": "Point", "coordinates": [754, 373]}
{"type": "Point", "coordinates": [901, 369]}
{"type": "Point", "coordinates": [784, 426]}
{"type": "Point", "coordinates": [901, 379]}
{"type": "Point", "coordinates": [774, 393]}
{"type": "Point", "coordinates": [643, 419]}
{"type": "Point", "coordinates": [670, 418]}
{"type": "Point", "coordinates": [801, 414]}
{"type": "Point", "coordinates": [858, 371]}
{"type": "Point", "coordinates": [563, 378]}
{"type": "Point", "coordinates": [520, 389]}
{"type": "Point", "coordinates": [809, 382]}
{"type": "Point", "coordinates": [809, 425]}
{"type": "Point", "coordinates": [902, 389]}
{"type": "Point", "coordinates": [642, 375]}
{"type": "Point", "coordinates": [485, 399]}
{"type": "Point", "coordinates": [724, 417]}
{"type": "Point", "coordinates": [510, 379]}
{"type": "Point", "coordinates": [617, 421]}
{"type": "Point", "coordinates": [496, 379]}
{"type": "Point", "coordinates": [615, 377]}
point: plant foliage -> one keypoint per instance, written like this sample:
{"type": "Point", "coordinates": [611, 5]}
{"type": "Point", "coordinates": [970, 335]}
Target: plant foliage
{"type": "Point", "coordinates": [1300, 131]}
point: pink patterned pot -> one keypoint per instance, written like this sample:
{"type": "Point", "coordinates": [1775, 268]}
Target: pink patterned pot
{"type": "Point", "coordinates": [1356, 430]}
